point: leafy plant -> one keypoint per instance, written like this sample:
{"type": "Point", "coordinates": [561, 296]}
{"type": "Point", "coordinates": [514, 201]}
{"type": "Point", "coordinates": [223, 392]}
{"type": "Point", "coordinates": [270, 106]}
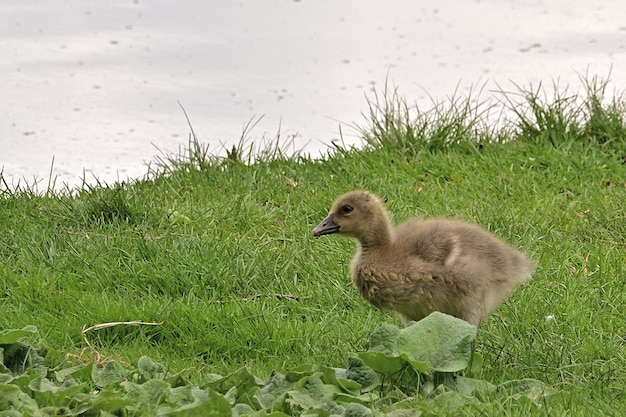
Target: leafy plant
{"type": "Point", "coordinates": [433, 349]}
{"type": "Point", "coordinates": [437, 344]}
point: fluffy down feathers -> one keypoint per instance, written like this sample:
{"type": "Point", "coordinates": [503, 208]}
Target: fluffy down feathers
{"type": "Point", "coordinates": [422, 266]}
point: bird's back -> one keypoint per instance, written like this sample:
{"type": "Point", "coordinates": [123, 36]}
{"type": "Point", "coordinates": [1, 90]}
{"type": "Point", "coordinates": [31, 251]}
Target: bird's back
{"type": "Point", "coordinates": [455, 243]}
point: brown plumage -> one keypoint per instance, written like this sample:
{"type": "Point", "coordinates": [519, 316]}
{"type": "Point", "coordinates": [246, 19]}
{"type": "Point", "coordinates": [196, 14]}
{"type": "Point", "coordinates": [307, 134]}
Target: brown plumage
{"type": "Point", "coordinates": [422, 266]}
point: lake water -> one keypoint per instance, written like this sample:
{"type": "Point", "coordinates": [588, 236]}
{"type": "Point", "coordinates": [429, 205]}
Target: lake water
{"type": "Point", "coordinates": [98, 85]}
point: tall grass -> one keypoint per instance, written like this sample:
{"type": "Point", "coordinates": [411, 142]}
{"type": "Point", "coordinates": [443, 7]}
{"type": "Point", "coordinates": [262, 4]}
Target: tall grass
{"type": "Point", "coordinates": [529, 115]}
{"type": "Point", "coordinates": [569, 117]}
{"type": "Point", "coordinates": [197, 156]}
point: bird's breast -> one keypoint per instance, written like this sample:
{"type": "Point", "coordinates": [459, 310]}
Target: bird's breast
{"type": "Point", "coordinates": [375, 281]}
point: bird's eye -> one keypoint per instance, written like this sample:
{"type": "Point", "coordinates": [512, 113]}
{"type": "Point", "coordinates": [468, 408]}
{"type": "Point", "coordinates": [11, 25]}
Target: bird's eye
{"type": "Point", "coordinates": [346, 209]}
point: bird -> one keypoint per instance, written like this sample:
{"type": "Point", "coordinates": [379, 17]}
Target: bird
{"type": "Point", "coordinates": [425, 265]}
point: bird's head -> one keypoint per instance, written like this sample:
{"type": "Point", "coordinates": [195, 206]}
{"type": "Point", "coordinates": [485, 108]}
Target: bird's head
{"type": "Point", "coordinates": [357, 214]}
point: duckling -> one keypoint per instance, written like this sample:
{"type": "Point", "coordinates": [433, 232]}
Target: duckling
{"type": "Point", "coordinates": [422, 266]}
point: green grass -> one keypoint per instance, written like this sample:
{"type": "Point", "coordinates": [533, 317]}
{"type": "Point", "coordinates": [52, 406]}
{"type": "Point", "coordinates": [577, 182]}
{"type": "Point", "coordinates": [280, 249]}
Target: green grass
{"type": "Point", "coordinates": [218, 249]}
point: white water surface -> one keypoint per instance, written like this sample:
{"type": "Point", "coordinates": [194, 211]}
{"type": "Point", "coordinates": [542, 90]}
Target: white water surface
{"type": "Point", "coordinates": [96, 84]}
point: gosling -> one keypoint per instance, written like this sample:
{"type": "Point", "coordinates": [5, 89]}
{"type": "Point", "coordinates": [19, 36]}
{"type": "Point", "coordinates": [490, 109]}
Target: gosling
{"type": "Point", "coordinates": [422, 266]}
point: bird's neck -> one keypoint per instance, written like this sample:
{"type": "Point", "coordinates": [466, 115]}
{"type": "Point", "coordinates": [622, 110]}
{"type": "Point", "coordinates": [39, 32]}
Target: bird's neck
{"type": "Point", "coordinates": [378, 236]}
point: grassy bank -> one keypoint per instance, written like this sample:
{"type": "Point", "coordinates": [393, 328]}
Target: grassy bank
{"type": "Point", "coordinates": [218, 251]}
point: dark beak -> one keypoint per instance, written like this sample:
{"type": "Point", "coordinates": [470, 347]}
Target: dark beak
{"type": "Point", "coordinates": [326, 227]}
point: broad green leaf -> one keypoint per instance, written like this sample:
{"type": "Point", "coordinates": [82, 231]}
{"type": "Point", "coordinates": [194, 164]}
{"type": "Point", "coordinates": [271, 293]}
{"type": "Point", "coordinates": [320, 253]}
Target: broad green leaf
{"type": "Point", "coordinates": [297, 373]}
{"type": "Point", "coordinates": [336, 376]}
{"type": "Point", "coordinates": [25, 379]}
{"type": "Point", "coordinates": [349, 386]}
{"type": "Point", "coordinates": [105, 401]}
{"type": "Point", "coordinates": [329, 375]}
{"type": "Point", "coordinates": [12, 397]}
{"type": "Point", "coordinates": [531, 389]}
{"type": "Point", "coordinates": [241, 387]}
{"type": "Point", "coordinates": [310, 392]}
{"type": "Point", "coordinates": [18, 357]}
{"type": "Point", "coordinates": [231, 395]}
{"type": "Point", "coordinates": [10, 336]}
{"type": "Point", "coordinates": [474, 387]}
{"type": "Point", "coordinates": [56, 411]}
{"type": "Point", "coordinates": [356, 410]}
{"type": "Point", "coordinates": [334, 410]}
{"type": "Point", "coordinates": [208, 378]}
{"type": "Point", "coordinates": [81, 372]}
{"type": "Point", "coordinates": [319, 412]}
{"type": "Point", "coordinates": [149, 393]}
{"type": "Point", "coordinates": [419, 366]}
{"type": "Point", "coordinates": [359, 372]}
{"type": "Point", "coordinates": [382, 362]}
{"type": "Point", "coordinates": [476, 363]}
{"type": "Point", "coordinates": [205, 403]}
{"type": "Point", "coordinates": [186, 395]}
{"type": "Point", "coordinates": [112, 373]}
{"type": "Point", "coordinates": [365, 399]}
{"type": "Point", "coordinates": [329, 409]}
{"type": "Point", "coordinates": [47, 393]}
{"type": "Point", "coordinates": [272, 395]}
{"type": "Point", "coordinates": [441, 341]}
{"type": "Point", "coordinates": [41, 384]}
{"type": "Point", "coordinates": [243, 410]}
{"type": "Point", "coordinates": [384, 340]}
{"type": "Point", "coordinates": [150, 369]}
{"type": "Point", "coordinates": [240, 378]}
